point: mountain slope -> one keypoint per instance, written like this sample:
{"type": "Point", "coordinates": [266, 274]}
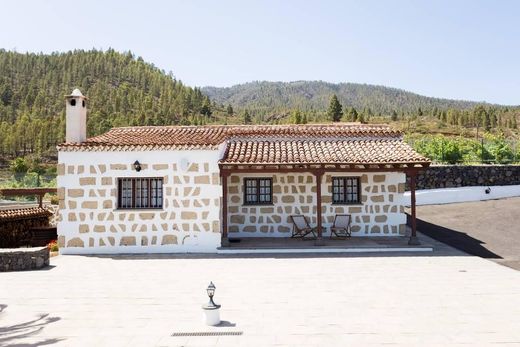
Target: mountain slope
{"type": "Point", "coordinates": [266, 97]}
{"type": "Point", "coordinates": [122, 90]}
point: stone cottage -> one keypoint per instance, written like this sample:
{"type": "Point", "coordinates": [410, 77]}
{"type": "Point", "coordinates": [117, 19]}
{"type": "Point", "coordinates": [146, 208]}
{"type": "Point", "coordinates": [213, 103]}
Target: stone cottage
{"type": "Point", "coordinates": [193, 188]}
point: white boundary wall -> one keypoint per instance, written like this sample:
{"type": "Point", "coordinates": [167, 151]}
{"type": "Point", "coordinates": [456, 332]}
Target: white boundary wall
{"type": "Point", "coordinates": [462, 194]}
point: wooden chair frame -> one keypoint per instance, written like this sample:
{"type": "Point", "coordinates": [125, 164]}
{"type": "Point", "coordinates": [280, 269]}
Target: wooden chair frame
{"type": "Point", "coordinates": [341, 231]}
{"type": "Point", "coordinates": [302, 232]}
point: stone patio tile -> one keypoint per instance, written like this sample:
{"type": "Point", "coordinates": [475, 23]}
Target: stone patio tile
{"type": "Point", "coordinates": [309, 300]}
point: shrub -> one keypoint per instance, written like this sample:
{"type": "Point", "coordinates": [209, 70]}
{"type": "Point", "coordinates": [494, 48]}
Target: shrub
{"type": "Point", "coordinates": [53, 246]}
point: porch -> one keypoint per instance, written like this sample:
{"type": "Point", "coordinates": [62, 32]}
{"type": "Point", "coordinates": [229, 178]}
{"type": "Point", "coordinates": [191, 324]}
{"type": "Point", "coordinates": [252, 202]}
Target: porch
{"type": "Point", "coordinates": [328, 245]}
{"type": "Point", "coordinates": [378, 216]}
{"type": "Point", "coordinates": [320, 175]}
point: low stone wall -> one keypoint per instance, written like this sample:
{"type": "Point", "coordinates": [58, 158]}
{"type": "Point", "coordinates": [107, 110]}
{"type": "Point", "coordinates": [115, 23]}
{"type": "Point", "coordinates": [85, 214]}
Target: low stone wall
{"type": "Point", "coordinates": [452, 176]}
{"type": "Point", "coordinates": [19, 259]}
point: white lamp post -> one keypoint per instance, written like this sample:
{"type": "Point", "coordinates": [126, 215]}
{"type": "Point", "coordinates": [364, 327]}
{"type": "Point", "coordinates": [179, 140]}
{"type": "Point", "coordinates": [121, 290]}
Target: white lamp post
{"type": "Point", "coordinates": [211, 310]}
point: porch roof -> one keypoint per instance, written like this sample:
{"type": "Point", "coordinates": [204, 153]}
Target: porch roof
{"type": "Point", "coordinates": [290, 151]}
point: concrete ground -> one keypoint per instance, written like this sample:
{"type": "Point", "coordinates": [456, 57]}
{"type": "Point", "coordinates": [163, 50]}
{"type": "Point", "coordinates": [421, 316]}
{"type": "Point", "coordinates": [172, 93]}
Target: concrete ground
{"type": "Point", "coordinates": [488, 229]}
{"type": "Point", "coordinates": [444, 298]}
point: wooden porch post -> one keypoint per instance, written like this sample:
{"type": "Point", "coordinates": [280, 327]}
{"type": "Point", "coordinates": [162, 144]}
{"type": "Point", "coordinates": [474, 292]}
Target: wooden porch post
{"type": "Point", "coordinates": [224, 236]}
{"type": "Point", "coordinates": [319, 240]}
{"type": "Point", "coordinates": [40, 200]}
{"type": "Point", "coordinates": [414, 240]}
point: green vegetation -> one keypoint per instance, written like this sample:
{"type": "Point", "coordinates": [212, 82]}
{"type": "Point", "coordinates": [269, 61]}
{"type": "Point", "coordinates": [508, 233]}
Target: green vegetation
{"type": "Point", "coordinates": [491, 149]}
{"type": "Point", "coordinates": [314, 96]}
{"type": "Point", "coordinates": [335, 110]}
{"type": "Point", "coordinates": [28, 172]}
{"type": "Point", "coordinates": [122, 90]}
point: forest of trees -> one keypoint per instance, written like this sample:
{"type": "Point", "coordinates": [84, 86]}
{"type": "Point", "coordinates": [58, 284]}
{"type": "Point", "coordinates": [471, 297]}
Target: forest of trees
{"type": "Point", "coordinates": [309, 96]}
{"type": "Point", "coordinates": [122, 90]}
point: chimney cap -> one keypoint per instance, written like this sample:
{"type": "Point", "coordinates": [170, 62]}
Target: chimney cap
{"type": "Point", "coordinates": [75, 94]}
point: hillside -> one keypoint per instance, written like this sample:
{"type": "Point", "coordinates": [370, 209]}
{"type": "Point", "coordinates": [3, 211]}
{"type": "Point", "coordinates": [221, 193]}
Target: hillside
{"type": "Point", "coordinates": [268, 97]}
{"type": "Point", "coordinates": [122, 90]}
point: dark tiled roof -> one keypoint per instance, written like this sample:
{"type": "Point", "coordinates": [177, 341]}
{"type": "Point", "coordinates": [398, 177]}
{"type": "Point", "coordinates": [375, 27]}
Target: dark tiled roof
{"type": "Point", "coordinates": [23, 213]}
{"type": "Point", "coordinates": [326, 151]}
{"type": "Point", "coordinates": [211, 136]}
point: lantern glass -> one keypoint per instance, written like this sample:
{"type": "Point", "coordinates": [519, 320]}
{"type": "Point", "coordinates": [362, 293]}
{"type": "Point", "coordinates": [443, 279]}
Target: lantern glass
{"type": "Point", "coordinates": [211, 290]}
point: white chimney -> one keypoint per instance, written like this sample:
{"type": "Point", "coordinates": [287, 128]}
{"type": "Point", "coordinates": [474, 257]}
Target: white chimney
{"type": "Point", "coordinates": [76, 117]}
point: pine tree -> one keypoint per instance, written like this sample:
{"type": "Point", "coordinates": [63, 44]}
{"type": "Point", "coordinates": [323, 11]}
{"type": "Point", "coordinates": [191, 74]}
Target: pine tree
{"type": "Point", "coordinates": [206, 107]}
{"type": "Point", "coordinates": [394, 116]}
{"type": "Point", "coordinates": [229, 110]}
{"type": "Point", "coordinates": [296, 117]}
{"type": "Point", "coordinates": [352, 115]}
{"type": "Point", "coordinates": [335, 110]}
{"type": "Point", "coordinates": [247, 117]}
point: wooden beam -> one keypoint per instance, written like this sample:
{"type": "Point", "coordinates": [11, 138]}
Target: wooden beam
{"type": "Point", "coordinates": [319, 175]}
{"type": "Point", "coordinates": [27, 191]}
{"type": "Point", "coordinates": [331, 167]}
{"type": "Point", "coordinates": [224, 236]}
{"type": "Point", "coordinates": [39, 193]}
{"type": "Point", "coordinates": [414, 240]}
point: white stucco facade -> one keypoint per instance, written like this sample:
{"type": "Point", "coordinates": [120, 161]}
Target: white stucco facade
{"type": "Point", "coordinates": [190, 219]}
{"type": "Point", "coordinates": [89, 218]}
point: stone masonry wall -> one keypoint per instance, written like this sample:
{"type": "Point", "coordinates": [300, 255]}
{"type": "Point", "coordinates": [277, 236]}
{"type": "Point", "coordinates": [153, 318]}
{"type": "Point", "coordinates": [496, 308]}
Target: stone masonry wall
{"type": "Point", "coordinates": [451, 176]}
{"type": "Point", "coordinates": [380, 212]}
{"type": "Point", "coordinates": [20, 259]}
{"type": "Point", "coordinates": [90, 222]}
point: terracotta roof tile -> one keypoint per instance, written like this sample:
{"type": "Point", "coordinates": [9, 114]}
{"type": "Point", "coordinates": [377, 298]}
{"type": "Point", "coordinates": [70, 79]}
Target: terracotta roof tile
{"type": "Point", "coordinates": [348, 143]}
{"type": "Point", "coordinates": [294, 151]}
{"type": "Point", "coordinates": [23, 213]}
{"type": "Point", "coordinates": [211, 136]}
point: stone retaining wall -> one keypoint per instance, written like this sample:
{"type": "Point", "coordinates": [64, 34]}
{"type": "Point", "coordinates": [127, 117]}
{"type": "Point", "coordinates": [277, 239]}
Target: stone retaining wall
{"type": "Point", "coordinates": [20, 259]}
{"type": "Point", "coordinates": [451, 176]}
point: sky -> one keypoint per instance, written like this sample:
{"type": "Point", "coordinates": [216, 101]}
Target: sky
{"type": "Point", "coordinates": [445, 48]}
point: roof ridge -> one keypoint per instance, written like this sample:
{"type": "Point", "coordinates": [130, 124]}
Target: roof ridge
{"type": "Point", "coordinates": [214, 135]}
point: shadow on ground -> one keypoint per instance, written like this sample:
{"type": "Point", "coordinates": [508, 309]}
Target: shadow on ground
{"type": "Point", "coordinates": [455, 239]}
{"type": "Point", "coordinates": [14, 335]}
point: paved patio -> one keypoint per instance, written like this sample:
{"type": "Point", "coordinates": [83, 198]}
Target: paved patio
{"type": "Point", "coordinates": [441, 298]}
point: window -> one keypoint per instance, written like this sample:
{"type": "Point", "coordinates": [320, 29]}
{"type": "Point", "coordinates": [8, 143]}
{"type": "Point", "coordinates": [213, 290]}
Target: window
{"type": "Point", "coordinates": [137, 193]}
{"type": "Point", "coordinates": [258, 191]}
{"type": "Point", "coordinates": [346, 190]}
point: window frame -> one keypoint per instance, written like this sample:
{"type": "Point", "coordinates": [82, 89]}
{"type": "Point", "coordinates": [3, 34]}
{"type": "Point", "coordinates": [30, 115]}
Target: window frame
{"type": "Point", "coordinates": [345, 194]}
{"type": "Point", "coordinates": [133, 181]}
{"type": "Point", "coordinates": [257, 194]}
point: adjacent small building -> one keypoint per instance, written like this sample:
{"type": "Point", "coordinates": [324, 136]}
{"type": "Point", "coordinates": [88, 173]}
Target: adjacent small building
{"type": "Point", "coordinates": [192, 188]}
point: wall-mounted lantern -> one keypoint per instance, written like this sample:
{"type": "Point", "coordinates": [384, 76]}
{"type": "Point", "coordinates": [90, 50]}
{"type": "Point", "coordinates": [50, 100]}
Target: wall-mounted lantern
{"type": "Point", "coordinates": [137, 166]}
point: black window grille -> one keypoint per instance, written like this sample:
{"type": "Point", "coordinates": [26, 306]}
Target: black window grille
{"type": "Point", "coordinates": [139, 193]}
{"type": "Point", "coordinates": [346, 190]}
{"type": "Point", "coordinates": [258, 191]}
